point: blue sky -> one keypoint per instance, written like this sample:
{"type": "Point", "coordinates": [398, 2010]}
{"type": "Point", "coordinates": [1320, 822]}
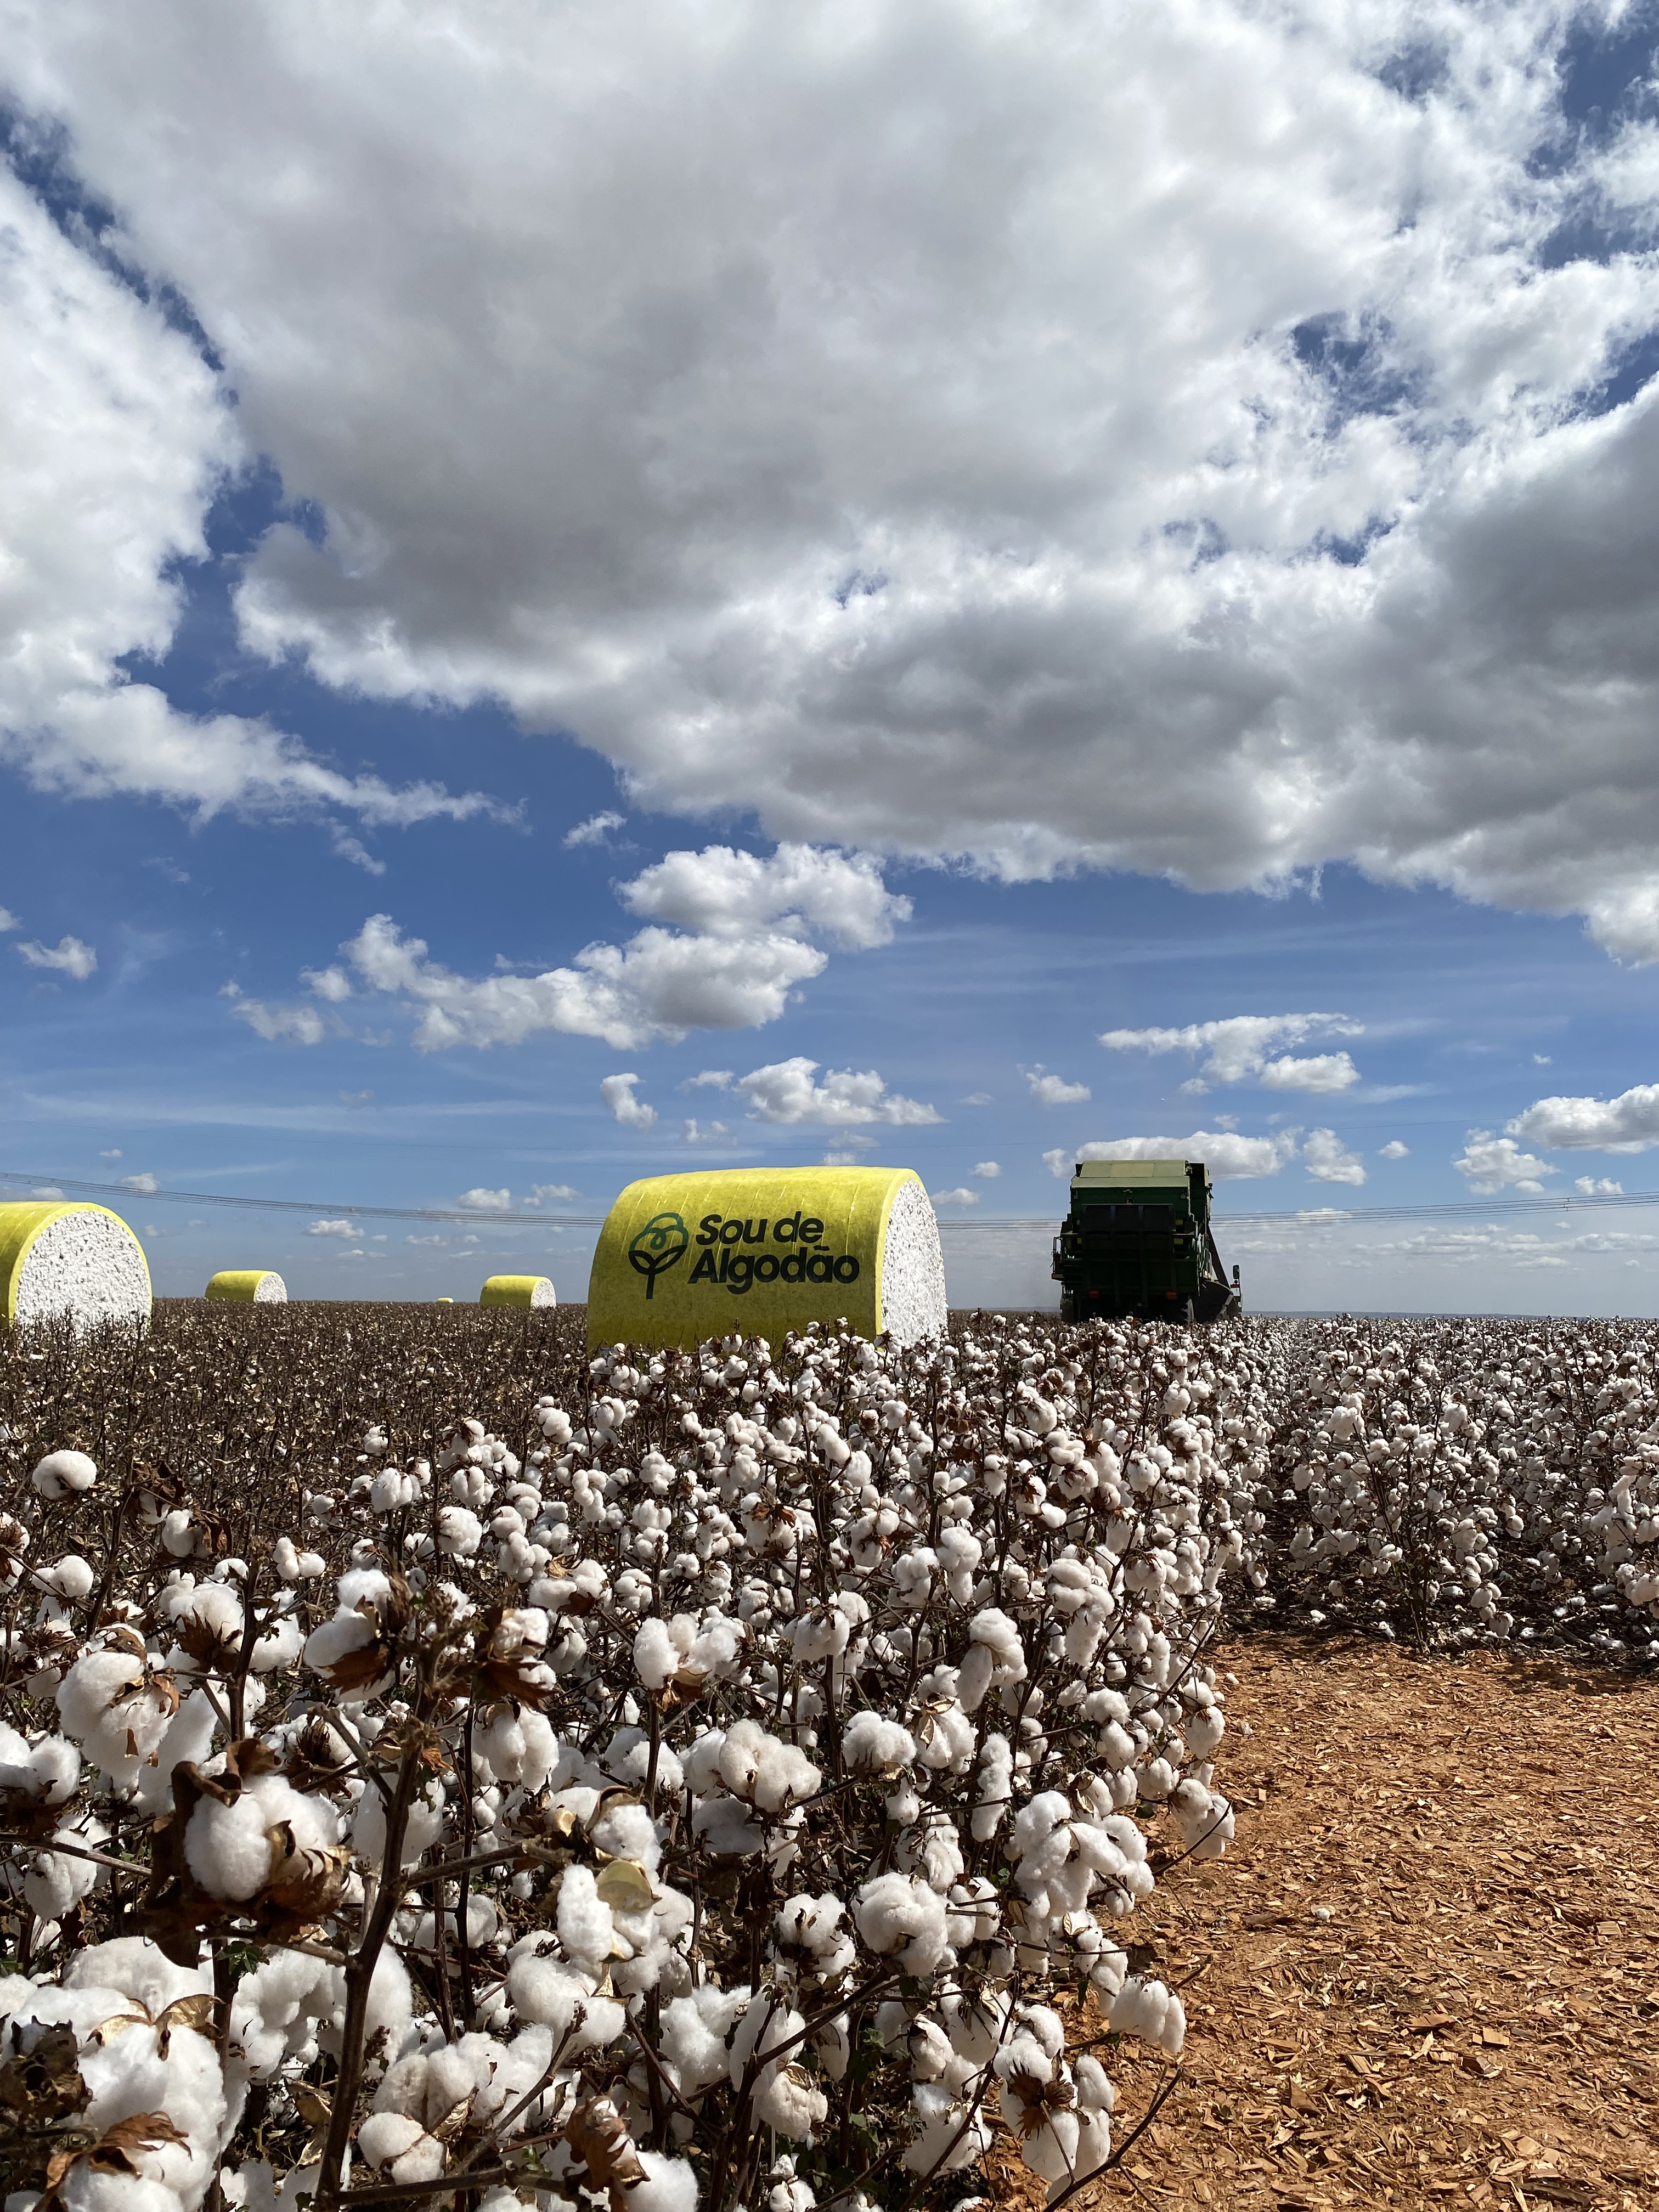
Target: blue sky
{"type": "Point", "coordinates": [968, 673]}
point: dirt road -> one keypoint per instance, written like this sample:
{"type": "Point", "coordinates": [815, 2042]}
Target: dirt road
{"type": "Point", "coordinates": [1428, 1974]}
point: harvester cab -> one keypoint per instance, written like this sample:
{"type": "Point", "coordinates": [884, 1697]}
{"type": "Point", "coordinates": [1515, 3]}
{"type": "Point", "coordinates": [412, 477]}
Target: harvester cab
{"type": "Point", "coordinates": [1137, 1245]}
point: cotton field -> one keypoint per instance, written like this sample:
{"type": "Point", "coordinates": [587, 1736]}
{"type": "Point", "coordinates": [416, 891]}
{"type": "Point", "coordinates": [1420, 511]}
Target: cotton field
{"type": "Point", "coordinates": [436, 1761]}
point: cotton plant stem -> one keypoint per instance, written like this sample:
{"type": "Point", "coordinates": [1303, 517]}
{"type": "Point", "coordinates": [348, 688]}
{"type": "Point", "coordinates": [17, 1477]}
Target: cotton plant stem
{"type": "Point", "coordinates": [359, 1975]}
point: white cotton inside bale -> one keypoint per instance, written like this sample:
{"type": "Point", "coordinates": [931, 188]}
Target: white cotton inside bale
{"type": "Point", "coordinates": [86, 1266]}
{"type": "Point", "coordinates": [911, 1269]}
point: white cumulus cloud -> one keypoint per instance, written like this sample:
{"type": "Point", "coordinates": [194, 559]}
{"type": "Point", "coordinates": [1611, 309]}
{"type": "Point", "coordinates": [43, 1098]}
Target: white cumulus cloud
{"type": "Point", "coordinates": [69, 956]}
{"type": "Point", "coordinates": [1224, 1152]}
{"type": "Point", "coordinates": [1053, 1090]}
{"type": "Point", "coordinates": [141, 1186]}
{"type": "Point", "coordinates": [346, 1229]}
{"type": "Point", "coordinates": [658, 985]}
{"type": "Point", "coordinates": [1237, 1050]}
{"type": "Point", "coordinates": [1598, 1187]}
{"type": "Point", "coordinates": [277, 1024]}
{"type": "Point", "coordinates": [961, 1196]}
{"type": "Point", "coordinates": [119, 436]}
{"type": "Point", "coordinates": [8, 921]}
{"type": "Point", "coordinates": [987, 1170]}
{"type": "Point", "coordinates": [1394, 1150]}
{"type": "Point", "coordinates": [595, 830]}
{"type": "Point", "coordinates": [786, 1092]}
{"type": "Point", "coordinates": [1628, 1123]}
{"type": "Point", "coordinates": [801, 889]}
{"type": "Point", "coordinates": [1319, 1072]}
{"type": "Point", "coordinates": [704, 1132]}
{"type": "Point", "coordinates": [1328, 1159]}
{"type": "Point", "coordinates": [550, 1194]}
{"type": "Point", "coordinates": [482, 1199]}
{"type": "Point", "coordinates": [330, 983]}
{"type": "Point", "coordinates": [1181, 447]}
{"type": "Point", "coordinates": [1491, 1164]}
{"type": "Point", "coordinates": [617, 1093]}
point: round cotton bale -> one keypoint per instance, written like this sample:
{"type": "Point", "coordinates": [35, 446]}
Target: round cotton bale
{"type": "Point", "coordinates": [82, 1263]}
{"type": "Point", "coordinates": [248, 1287]}
{"type": "Point", "coordinates": [685, 1257]}
{"type": "Point", "coordinates": [517, 1290]}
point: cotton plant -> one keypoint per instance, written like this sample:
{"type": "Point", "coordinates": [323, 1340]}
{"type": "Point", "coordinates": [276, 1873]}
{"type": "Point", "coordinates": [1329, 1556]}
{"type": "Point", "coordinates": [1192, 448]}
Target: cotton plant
{"type": "Point", "coordinates": [735, 1783]}
{"type": "Point", "coordinates": [1466, 1483]}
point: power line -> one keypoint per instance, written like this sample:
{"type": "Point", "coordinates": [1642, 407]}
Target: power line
{"type": "Point", "coordinates": [1299, 1218]}
{"type": "Point", "coordinates": [336, 1206]}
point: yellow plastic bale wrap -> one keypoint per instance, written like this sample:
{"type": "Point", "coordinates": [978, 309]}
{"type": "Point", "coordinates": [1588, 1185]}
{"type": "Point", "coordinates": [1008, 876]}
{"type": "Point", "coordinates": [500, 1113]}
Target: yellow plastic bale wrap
{"type": "Point", "coordinates": [685, 1257]}
{"type": "Point", "coordinates": [60, 1259]}
{"type": "Point", "coordinates": [517, 1290]}
{"type": "Point", "coordinates": [251, 1287]}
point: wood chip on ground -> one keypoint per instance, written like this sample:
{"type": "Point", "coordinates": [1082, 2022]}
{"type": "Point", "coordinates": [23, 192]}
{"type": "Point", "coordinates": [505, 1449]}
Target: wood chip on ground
{"type": "Point", "coordinates": [1477, 2019]}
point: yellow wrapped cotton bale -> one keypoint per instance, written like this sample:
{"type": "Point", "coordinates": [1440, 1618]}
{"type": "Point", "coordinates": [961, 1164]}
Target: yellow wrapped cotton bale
{"type": "Point", "coordinates": [517, 1290]}
{"type": "Point", "coordinates": [685, 1257]}
{"type": "Point", "coordinates": [248, 1287]}
{"type": "Point", "coordinates": [57, 1259]}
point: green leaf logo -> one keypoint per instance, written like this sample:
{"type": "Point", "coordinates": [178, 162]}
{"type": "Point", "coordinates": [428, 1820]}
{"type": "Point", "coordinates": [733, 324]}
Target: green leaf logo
{"type": "Point", "coordinates": [661, 1241]}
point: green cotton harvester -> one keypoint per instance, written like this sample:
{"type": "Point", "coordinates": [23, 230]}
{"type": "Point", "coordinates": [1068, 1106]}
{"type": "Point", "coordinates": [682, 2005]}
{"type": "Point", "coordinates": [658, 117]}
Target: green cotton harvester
{"type": "Point", "coordinates": [1137, 1245]}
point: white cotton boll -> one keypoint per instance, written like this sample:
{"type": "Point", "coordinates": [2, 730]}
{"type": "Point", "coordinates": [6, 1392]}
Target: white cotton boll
{"type": "Point", "coordinates": [1050, 2151]}
{"type": "Point", "coordinates": [130, 2074]}
{"type": "Point", "coordinates": [1095, 2093]}
{"type": "Point", "coordinates": [406, 2157]}
{"type": "Point", "coordinates": [1150, 2011]}
{"type": "Point", "coordinates": [1094, 2141]}
{"type": "Point", "coordinates": [45, 1770]}
{"type": "Point", "coordinates": [63, 1473]}
{"type": "Point", "coordinates": [947, 1739]}
{"type": "Point", "coordinates": [1203, 1821]}
{"type": "Point", "coordinates": [1204, 1731]}
{"type": "Point", "coordinates": [627, 1831]}
{"type": "Point", "coordinates": [188, 1735]}
{"type": "Point", "coordinates": [872, 1745]}
{"type": "Point", "coordinates": [670, 2185]}
{"type": "Point", "coordinates": [499, 1745]}
{"type": "Point", "coordinates": [178, 1532]}
{"type": "Point", "coordinates": [460, 1532]}
{"type": "Point", "coordinates": [541, 1748]}
{"type": "Point", "coordinates": [337, 1639]}
{"type": "Point", "coordinates": [694, 2031]}
{"type": "Point", "coordinates": [273, 2011]}
{"type": "Point", "coordinates": [656, 1655]}
{"type": "Point", "coordinates": [978, 1668]}
{"type": "Point", "coordinates": [138, 1970]}
{"type": "Point", "coordinates": [902, 1920]}
{"type": "Point", "coordinates": [586, 1927]}
{"type": "Point", "coordinates": [280, 1647]}
{"type": "Point", "coordinates": [702, 1762]}
{"type": "Point", "coordinates": [420, 1831]}
{"type": "Point", "coordinates": [792, 2104]}
{"type": "Point", "coordinates": [295, 1566]}
{"type": "Point", "coordinates": [107, 1704]}
{"type": "Point", "coordinates": [1155, 1779]}
{"type": "Point", "coordinates": [55, 1883]}
{"type": "Point", "coordinates": [71, 1578]}
{"type": "Point", "coordinates": [86, 2187]}
{"type": "Point", "coordinates": [226, 1849]}
{"type": "Point", "coordinates": [387, 2135]}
